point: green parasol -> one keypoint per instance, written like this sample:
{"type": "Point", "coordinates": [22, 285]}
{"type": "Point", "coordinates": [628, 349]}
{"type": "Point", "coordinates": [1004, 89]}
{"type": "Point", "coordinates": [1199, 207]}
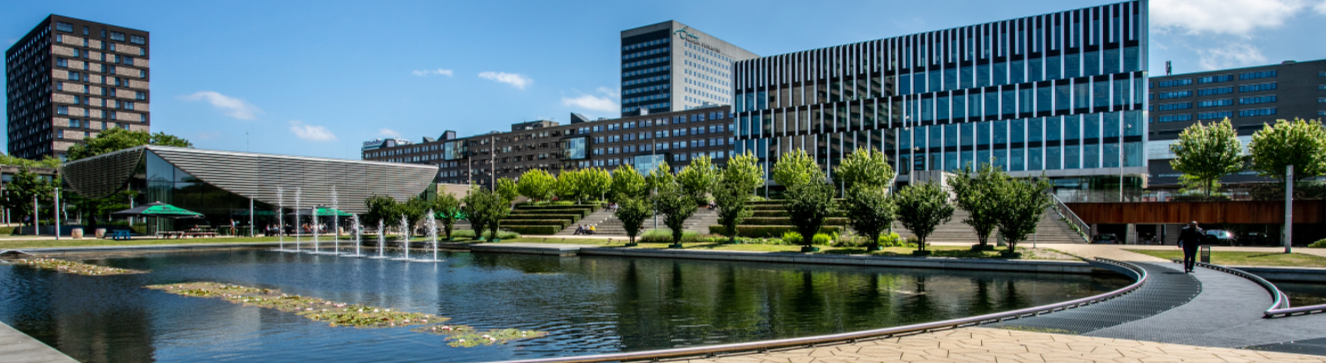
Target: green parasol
{"type": "Point", "coordinates": [159, 209]}
{"type": "Point", "coordinates": [322, 211]}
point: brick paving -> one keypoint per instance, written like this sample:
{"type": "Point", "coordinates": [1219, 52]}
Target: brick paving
{"type": "Point", "coordinates": [999, 345]}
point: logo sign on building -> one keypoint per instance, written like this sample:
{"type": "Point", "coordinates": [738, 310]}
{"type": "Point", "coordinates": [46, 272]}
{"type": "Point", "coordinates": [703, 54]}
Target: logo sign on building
{"type": "Point", "coordinates": [685, 34]}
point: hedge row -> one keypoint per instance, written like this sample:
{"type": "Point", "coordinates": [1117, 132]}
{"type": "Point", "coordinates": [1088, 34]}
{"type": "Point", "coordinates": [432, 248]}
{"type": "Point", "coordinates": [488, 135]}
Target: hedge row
{"type": "Point", "coordinates": [769, 207]}
{"type": "Point", "coordinates": [783, 221]}
{"type": "Point", "coordinates": [538, 230]}
{"type": "Point", "coordinates": [767, 231]}
{"type": "Point", "coordinates": [538, 222]}
{"type": "Point", "coordinates": [522, 215]}
{"type": "Point", "coordinates": [783, 213]}
{"type": "Point", "coordinates": [555, 207]}
{"type": "Point", "coordinates": [579, 213]}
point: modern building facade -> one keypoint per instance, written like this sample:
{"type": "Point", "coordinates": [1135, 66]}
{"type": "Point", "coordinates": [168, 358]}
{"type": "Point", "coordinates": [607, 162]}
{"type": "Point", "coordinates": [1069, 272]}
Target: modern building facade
{"type": "Point", "coordinates": [1062, 94]}
{"type": "Point", "coordinates": [643, 141]}
{"type": "Point", "coordinates": [69, 79]}
{"type": "Point", "coordinates": [1249, 97]}
{"type": "Point", "coordinates": [671, 67]}
{"type": "Point", "coordinates": [227, 185]}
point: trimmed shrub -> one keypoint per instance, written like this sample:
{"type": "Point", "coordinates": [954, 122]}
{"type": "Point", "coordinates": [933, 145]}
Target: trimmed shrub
{"type": "Point", "coordinates": [821, 239]}
{"type": "Point", "coordinates": [536, 222]}
{"type": "Point", "coordinates": [469, 233]}
{"type": "Point", "coordinates": [890, 239]}
{"type": "Point", "coordinates": [766, 231]}
{"type": "Point", "coordinates": [768, 213]}
{"type": "Point", "coordinates": [537, 230]}
{"type": "Point", "coordinates": [779, 221]}
{"type": "Point", "coordinates": [1321, 243]}
{"type": "Point", "coordinates": [664, 235]}
{"type": "Point", "coordinates": [791, 238]}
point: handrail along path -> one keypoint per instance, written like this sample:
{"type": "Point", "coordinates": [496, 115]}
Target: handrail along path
{"type": "Point", "coordinates": [1279, 304]}
{"type": "Point", "coordinates": [1119, 266]}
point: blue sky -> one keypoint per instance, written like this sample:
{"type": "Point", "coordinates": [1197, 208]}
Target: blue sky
{"type": "Point", "coordinates": [319, 78]}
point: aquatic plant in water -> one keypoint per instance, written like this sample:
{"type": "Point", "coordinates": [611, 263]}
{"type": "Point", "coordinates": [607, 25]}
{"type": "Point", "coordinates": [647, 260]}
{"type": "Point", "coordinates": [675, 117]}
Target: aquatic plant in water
{"type": "Point", "coordinates": [73, 267]}
{"type": "Point", "coordinates": [466, 336]}
{"type": "Point", "coordinates": [344, 314]}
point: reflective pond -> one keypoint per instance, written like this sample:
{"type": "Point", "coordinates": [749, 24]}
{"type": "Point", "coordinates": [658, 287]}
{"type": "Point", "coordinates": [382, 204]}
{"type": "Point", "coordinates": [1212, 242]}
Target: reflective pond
{"type": "Point", "coordinates": [585, 304]}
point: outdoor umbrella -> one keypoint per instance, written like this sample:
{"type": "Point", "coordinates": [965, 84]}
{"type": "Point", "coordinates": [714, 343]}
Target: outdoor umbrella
{"type": "Point", "coordinates": [322, 212]}
{"type": "Point", "coordinates": [159, 210]}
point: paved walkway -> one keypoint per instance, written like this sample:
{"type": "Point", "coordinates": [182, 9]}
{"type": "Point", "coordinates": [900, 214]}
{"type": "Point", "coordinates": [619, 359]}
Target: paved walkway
{"type": "Point", "coordinates": [1001, 345]}
{"type": "Point", "coordinates": [16, 347]}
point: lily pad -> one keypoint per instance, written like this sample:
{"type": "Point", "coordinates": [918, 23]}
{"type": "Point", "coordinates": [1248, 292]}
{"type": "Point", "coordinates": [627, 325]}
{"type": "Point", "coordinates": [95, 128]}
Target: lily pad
{"type": "Point", "coordinates": [73, 267]}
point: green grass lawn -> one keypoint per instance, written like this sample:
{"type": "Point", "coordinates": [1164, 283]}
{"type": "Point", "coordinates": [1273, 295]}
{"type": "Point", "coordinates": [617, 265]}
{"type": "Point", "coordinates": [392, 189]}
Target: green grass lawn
{"type": "Point", "coordinates": [1246, 258]}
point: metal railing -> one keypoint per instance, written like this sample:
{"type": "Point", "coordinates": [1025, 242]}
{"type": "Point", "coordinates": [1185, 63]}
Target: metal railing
{"type": "Point", "coordinates": [851, 337]}
{"type": "Point", "coordinates": [1279, 304]}
{"type": "Point", "coordinates": [1083, 229]}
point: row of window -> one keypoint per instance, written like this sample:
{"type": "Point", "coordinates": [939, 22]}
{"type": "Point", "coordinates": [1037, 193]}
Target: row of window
{"type": "Point", "coordinates": [661, 96]}
{"type": "Point", "coordinates": [647, 107]}
{"type": "Point", "coordinates": [106, 114]}
{"type": "Point", "coordinates": [106, 46]}
{"type": "Point", "coordinates": [646, 61]}
{"type": "Point", "coordinates": [108, 92]}
{"type": "Point", "coordinates": [646, 53]}
{"type": "Point", "coordinates": [1258, 75]}
{"type": "Point", "coordinates": [647, 80]}
{"type": "Point", "coordinates": [646, 89]}
{"type": "Point", "coordinates": [1217, 103]}
{"type": "Point", "coordinates": [1214, 79]}
{"type": "Point", "coordinates": [646, 44]}
{"type": "Point", "coordinates": [646, 70]}
{"type": "Point", "coordinates": [1254, 112]}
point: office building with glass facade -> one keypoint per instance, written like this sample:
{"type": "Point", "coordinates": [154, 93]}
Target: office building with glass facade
{"type": "Point", "coordinates": [1249, 97]}
{"type": "Point", "coordinates": [1062, 94]}
{"type": "Point", "coordinates": [671, 67]}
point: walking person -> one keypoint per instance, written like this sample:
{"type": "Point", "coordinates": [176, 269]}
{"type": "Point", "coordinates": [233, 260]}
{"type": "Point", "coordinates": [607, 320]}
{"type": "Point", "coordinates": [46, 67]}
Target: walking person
{"type": "Point", "coordinates": [1189, 239]}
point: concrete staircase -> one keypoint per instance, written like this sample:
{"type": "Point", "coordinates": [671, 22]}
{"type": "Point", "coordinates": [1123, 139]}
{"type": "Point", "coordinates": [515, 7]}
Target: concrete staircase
{"type": "Point", "coordinates": [1050, 229]}
{"type": "Point", "coordinates": [595, 219]}
{"type": "Point", "coordinates": [608, 225]}
{"type": "Point", "coordinates": [701, 220]}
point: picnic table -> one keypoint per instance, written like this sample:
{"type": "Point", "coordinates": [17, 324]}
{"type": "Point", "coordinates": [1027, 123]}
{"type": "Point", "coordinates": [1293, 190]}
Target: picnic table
{"type": "Point", "coordinates": [121, 234]}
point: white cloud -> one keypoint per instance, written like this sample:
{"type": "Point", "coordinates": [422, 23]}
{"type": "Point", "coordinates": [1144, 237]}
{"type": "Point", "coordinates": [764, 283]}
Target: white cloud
{"type": "Point", "coordinates": [209, 135]}
{"type": "Point", "coordinates": [1320, 8]}
{"type": "Point", "coordinates": [591, 102]}
{"type": "Point", "coordinates": [1233, 17]}
{"type": "Point", "coordinates": [1230, 56]}
{"type": "Point", "coordinates": [439, 71]}
{"type": "Point", "coordinates": [311, 132]}
{"type": "Point", "coordinates": [233, 107]}
{"type": "Point", "coordinates": [514, 79]}
{"type": "Point", "coordinates": [389, 133]}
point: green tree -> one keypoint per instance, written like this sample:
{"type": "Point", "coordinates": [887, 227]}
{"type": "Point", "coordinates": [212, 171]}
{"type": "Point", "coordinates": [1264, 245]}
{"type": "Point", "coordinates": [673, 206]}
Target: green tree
{"type": "Point", "coordinates": [23, 188]}
{"type": "Point", "coordinates": [447, 208]}
{"type": "Point", "coordinates": [1300, 143]}
{"type": "Point", "coordinates": [922, 207]}
{"type": "Point", "coordinates": [732, 195]}
{"type": "Point", "coordinates": [627, 183]}
{"type": "Point", "coordinates": [48, 162]}
{"type": "Point", "coordinates": [676, 207]}
{"type": "Point", "coordinates": [594, 183]}
{"type": "Point", "coordinates": [99, 208]}
{"type": "Point", "coordinates": [870, 211]}
{"type": "Point", "coordinates": [537, 185]}
{"type": "Point", "coordinates": [632, 212]}
{"type": "Point", "coordinates": [795, 168]}
{"type": "Point", "coordinates": [865, 166]}
{"type": "Point", "coordinates": [745, 170]}
{"type": "Point", "coordinates": [698, 178]}
{"type": "Point", "coordinates": [1205, 153]}
{"type": "Point", "coordinates": [977, 194]}
{"type": "Point", "coordinates": [568, 185]}
{"type": "Point", "coordinates": [116, 139]}
{"type": "Point", "coordinates": [808, 204]}
{"type": "Point", "coordinates": [381, 208]}
{"type": "Point", "coordinates": [507, 190]}
{"type": "Point", "coordinates": [485, 210]}
{"type": "Point", "coordinates": [1021, 205]}
{"type": "Point", "coordinates": [659, 176]}
{"type": "Point", "coordinates": [415, 210]}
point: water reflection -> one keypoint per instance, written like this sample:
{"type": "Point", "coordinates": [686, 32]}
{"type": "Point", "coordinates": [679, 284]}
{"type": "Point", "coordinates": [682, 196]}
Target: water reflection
{"type": "Point", "coordinates": [587, 304]}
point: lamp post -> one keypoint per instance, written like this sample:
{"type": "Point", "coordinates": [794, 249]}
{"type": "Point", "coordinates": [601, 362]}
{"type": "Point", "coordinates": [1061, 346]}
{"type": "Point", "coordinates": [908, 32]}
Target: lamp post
{"type": "Point", "coordinates": [57, 213]}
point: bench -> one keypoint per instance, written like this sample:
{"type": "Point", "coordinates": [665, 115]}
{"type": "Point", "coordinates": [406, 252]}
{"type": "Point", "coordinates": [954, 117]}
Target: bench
{"type": "Point", "coordinates": [121, 234]}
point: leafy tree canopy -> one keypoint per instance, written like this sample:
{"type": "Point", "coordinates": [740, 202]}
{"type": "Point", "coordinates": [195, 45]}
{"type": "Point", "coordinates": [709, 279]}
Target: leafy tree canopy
{"type": "Point", "coordinates": [116, 139]}
{"type": "Point", "coordinates": [25, 186]}
{"type": "Point", "coordinates": [978, 195]}
{"type": "Point", "coordinates": [507, 190]}
{"type": "Point", "coordinates": [537, 185]}
{"type": "Point", "coordinates": [698, 178]}
{"type": "Point", "coordinates": [796, 168]}
{"type": "Point", "coordinates": [745, 170]}
{"type": "Point", "coordinates": [1021, 205]}
{"type": "Point", "coordinates": [870, 211]}
{"type": "Point", "coordinates": [922, 207]}
{"type": "Point", "coordinates": [675, 206]}
{"type": "Point", "coordinates": [446, 206]}
{"type": "Point", "coordinates": [1204, 153]}
{"type": "Point", "coordinates": [48, 162]}
{"type": "Point", "coordinates": [808, 204]}
{"type": "Point", "coordinates": [732, 195]}
{"type": "Point", "coordinates": [632, 212]}
{"type": "Point", "coordinates": [1299, 143]}
{"type": "Point", "coordinates": [865, 166]}
{"type": "Point", "coordinates": [627, 183]}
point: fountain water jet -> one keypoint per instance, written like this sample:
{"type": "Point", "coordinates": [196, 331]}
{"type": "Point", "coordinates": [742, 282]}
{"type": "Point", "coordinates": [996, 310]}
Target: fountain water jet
{"type": "Point", "coordinates": [432, 232]}
{"type": "Point", "coordinates": [299, 191]}
{"type": "Point", "coordinates": [336, 220]}
{"type": "Point", "coordinates": [382, 239]}
{"type": "Point", "coordinates": [354, 226]}
{"type": "Point", "coordinates": [280, 219]}
{"type": "Point", "coordinates": [405, 233]}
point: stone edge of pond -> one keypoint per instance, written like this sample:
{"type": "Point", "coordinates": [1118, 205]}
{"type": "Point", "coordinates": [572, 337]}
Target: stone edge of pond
{"type": "Point", "coordinates": [17, 346]}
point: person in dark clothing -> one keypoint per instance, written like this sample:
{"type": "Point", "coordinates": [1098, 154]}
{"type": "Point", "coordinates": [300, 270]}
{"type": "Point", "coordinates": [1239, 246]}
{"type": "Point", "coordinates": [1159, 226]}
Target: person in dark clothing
{"type": "Point", "coordinates": [1189, 239]}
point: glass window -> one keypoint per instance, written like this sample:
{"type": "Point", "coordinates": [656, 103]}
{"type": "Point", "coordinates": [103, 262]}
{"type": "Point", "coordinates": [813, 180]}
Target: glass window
{"type": "Point", "coordinates": [941, 108]}
{"type": "Point", "coordinates": [1072, 157]}
{"type": "Point", "coordinates": [1000, 73]}
{"type": "Point", "coordinates": [982, 133]}
{"type": "Point", "coordinates": [1091, 126]}
{"type": "Point", "coordinates": [1000, 132]}
{"type": "Point", "coordinates": [1072, 65]}
{"type": "Point", "coordinates": [1092, 64]}
{"type": "Point", "coordinates": [1052, 68]}
{"type": "Point", "coordinates": [1052, 161]}
{"type": "Point", "coordinates": [1110, 155]}
{"type": "Point", "coordinates": [1009, 102]}
{"type": "Point", "coordinates": [1081, 95]}
{"type": "Point", "coordinates": [974, 104]}
{"type": "Point", "coordinates": [1018, 131]}
{"type": "Point", "coordinates": [1112, 61]}
{"type": "Point", "coordinates": [1100, 94]}
{"type": "Point", "coordinates": [1035, 127]}
{"type": "Point", "coordinates": [1037, 74]}
{"type": "Point", "coordinates": [968, 133]}
{"type": "Point", "coordinates": [951, 161]}
{"type": "Point", "coordinates": [1111, 126]}
{"type": "Point", "coordinates": [1034, 159]}
{"type": "Point", "coordinates": [1016, 161]}
{"type": "Point", "coordinates": [1017, 72]}
{"type": "Point", "coordinates": [1132, 154]}
{"type": "Point", "coordinates": [1091, 156]}
{"type": "Point", "coordinates": [991, 103]}
{"type": "Point", "coordinates": [983, 75]}
{"type": "Point", "coordinates": [936, 136]}
{"type": "Point", "coordinates": [950, 135]}
{"type": "Point", "coordinates": [927, 109]}
{"type": "Point", "coordinates": [1132, 123]}
{"type": "Point", "coordinates": [1043, 99]}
